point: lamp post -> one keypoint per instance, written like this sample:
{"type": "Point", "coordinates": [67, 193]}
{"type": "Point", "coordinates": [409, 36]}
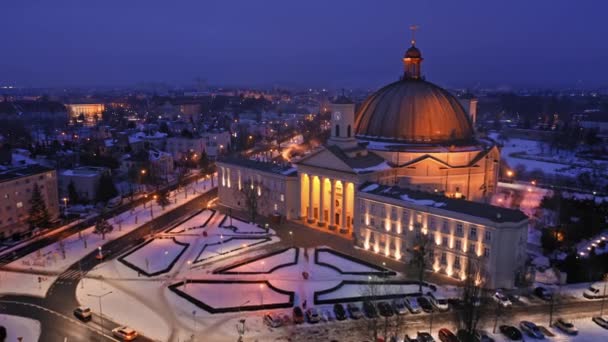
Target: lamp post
{"type": "Point", "coordinates": [604, 295]}
{"type": "Point", "coordinates": [100, 310]}
{"type": "Point", "coordinates": [262, 293]}
{"type": "Point", "coordinates": [152, 206]}
{"type": "Point", "coordinates": [65, 206]}
{"type": "Point", "coordinates": [291, 236]}
{"type": "Point", "coordinates": [194, 320]}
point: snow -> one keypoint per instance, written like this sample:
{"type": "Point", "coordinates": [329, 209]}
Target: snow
{"type": "Point", "coordinates": [345, 265]}
{"type": "Point", "coordinates": [218, 246]}
{"type": "Point", "coordinates": [380, 167]}
{"type": "Point", "coordinates": [370, 187]}
{"type": "Point", "coordinates": [245, 227]}
{"type": "Point", "coordinates": [193, 223]}
{"type": "Point", "coordinates": [17, 326]}
{"type": "Point", "coordinates": [266, 264]}
{"type": "Point", "coordinates": [18, 283]}
{"type": "Point", "coordinates": [156, 256]}
{"type": "Point", "coordinates": [357, 290]}
{"type": "Point", "coordinates": [125, 306]}
{"type": "Point", "coordinates": [429, 203]}
{"type": "Point", "coordinates": [51, 259]}
{"type": "Point", "coordinates": [223, 295]}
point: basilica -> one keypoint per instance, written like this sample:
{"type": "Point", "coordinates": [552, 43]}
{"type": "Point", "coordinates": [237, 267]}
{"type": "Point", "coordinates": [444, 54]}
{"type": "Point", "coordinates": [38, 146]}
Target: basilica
{"type": "Point", "coordinates": [407, 162]}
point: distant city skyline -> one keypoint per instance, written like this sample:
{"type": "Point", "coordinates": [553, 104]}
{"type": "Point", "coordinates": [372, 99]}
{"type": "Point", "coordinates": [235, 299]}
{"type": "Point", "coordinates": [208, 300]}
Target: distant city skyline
{"type": "Point", "coordinates": [314, 43]}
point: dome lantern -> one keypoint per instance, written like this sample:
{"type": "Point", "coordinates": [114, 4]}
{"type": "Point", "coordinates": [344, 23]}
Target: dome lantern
{"type": "Point", "coordinates": [412, 59]}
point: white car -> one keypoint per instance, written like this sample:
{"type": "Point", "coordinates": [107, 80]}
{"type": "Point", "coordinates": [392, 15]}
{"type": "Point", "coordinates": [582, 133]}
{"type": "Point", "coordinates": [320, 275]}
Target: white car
{"type": "Point", "coordinates": [439, 302]}
{"type": "Point", "coordinates": [595, 291]}
{"type": "Point", "coordinates": [273, 321]}
{"type": "Point", "coordinates": [566, 326]}
{"type": "Point", "coordinates": [602, 321]}
{"type": "Point", "coordinates": [412, 305]}
{"type": "Point", "coordinates": [502, 300]}
{"type": "Point", "coordinates": [125, 333]}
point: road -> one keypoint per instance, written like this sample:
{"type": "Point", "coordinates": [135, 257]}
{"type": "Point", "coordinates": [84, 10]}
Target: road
{"type": "Point", "coordinates": [55, 311]}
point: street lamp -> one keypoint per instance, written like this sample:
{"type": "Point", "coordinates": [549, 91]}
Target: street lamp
{"type": "Point", "coordinates": [262, 293]}
{"type": "Point", "coordinates": [291, 236]}
{"type": "Point", "coordinates": [65, 206]}
{"type": "Point", "coordinates": [509, 173]}
{"type": "Point", "coordinates": [100, 310]}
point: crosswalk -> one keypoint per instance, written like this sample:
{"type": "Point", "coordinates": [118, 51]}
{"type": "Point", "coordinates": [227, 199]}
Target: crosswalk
{"type": "Point", "coordinates": [71, 274]}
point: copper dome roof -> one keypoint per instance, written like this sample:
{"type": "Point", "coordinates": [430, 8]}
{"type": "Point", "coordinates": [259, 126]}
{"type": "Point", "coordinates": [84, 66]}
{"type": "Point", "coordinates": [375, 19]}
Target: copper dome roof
{"type": "Point", "coordinates": [413, 111]}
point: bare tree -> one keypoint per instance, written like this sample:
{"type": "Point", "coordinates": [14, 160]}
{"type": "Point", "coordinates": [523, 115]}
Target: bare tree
{"type": "Point", "coordinates": [371, 291]}
{"type": "Point", "coordinates": [474, 297]}
{"type": "Point", "coordinates": [103, 227]}
{"type": "Point", "coordinates": [422, 254]}
{"type": "Point", "coordinates": [254, 194]}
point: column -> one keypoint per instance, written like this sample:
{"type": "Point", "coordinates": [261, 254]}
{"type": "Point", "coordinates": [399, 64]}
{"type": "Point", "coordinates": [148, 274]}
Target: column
{"type": "Point", "coordinates": [310, 202]}
{"type": "Point", "coordinates": [343, 228]}
{"type": "Point", "coordinates": [322, 200]}
{"type": "Point", "coordinates": [332, 205]}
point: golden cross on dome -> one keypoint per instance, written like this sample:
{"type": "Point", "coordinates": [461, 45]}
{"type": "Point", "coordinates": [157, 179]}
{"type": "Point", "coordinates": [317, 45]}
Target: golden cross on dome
{"type": "Point", "coordinates": [414, 28]}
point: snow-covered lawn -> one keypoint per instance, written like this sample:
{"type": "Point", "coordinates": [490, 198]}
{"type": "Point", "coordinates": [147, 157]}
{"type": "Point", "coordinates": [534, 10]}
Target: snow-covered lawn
{"type": "Point", "coordinates": [343, 264]}
{"type": "Point", "coordinates": [242, 227]}
{"type": "Point", "coordinates": [17, 326]}
{"type": "Point", "coordinates": [217, 246]}
{"type": "Point", "coordinates": [264, 265]}
{"type": "Point", "coordinates": [372, 288]}
{"type": "Point", "coordinates": [24, 283]}
{"type": "Point", "coordinates": [156, 256]}
{"type": "Point", "coordinates": [194, 224]}
{"type": "Point", "coordinates": [234, 295]}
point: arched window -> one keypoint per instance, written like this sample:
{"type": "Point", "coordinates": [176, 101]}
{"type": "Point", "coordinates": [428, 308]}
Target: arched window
{"type": "Point", "coordinates": [348, 131]}
{"type": "Point", "coordinates": [337, 130]}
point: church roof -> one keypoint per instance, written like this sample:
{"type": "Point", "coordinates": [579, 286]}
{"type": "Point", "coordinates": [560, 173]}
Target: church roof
{"type": "Point", "coordinates": [359, 163]}
{"type": "Point", "coordinates": [280, 169]}
{"type": "Point", "coordinates": [477, 209]}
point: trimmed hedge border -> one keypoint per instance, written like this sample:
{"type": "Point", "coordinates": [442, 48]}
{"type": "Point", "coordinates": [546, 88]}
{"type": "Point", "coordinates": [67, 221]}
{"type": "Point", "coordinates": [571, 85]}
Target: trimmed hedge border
{"type": "Point", "coordinates": [165, 270]}
{"type": "Point", "coordinates": [212, 310]}
{"type": "Point", "coordinates": [382, 272]}
{"type": "Point", "coordinates": [262, 240]}
{"type": "Point", "coordinates": [236, 230]}
{"type": "Point", "coordinates": [226, 269]}
{"type": "Point", "coordinates": [213, 211]}
{"type": "Point", "coordinates": [364, 298]}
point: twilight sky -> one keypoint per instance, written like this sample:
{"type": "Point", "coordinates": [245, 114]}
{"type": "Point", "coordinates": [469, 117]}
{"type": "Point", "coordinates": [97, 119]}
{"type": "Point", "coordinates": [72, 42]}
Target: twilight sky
{"type": "Point", "coordinates": [330, 43]}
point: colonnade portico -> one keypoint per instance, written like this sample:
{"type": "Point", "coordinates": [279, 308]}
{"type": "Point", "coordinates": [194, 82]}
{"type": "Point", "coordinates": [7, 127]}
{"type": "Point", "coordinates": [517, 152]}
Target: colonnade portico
{"type": "Point", "coordinates": [327, 202]}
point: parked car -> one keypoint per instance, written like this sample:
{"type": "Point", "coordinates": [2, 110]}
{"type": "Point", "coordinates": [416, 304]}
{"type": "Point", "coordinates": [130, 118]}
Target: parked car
{"type": "Point", "coordinates": [531, 329]}
{"type": "Point", "coordinates": [399, 306]}
{"type": "Point", "coordinates": [595, 291]}
{"type": "Point", "coordinates": [385, 309]}
{"type": "Point", "coordinates": [339, 312]}
{"type": "Point", "coordinates": [354, 311]}
{"type": "Point", "coordinates": [602, 321]}
{"type": "Point", "coordinates": [409, 338]}
{"type": "Point", "coordinates": [543, 293]}
{"type": "Point", "coordinates": [369, 309]}
{"type": "Point", "coordinates": [477, 336]}
{"type": "Point", "coordinates": [566, 326]}
{"type": "Point", "coordinates": [502, 300]}
{"type": "Point", "coordinates": [511, 332]}
{"type": "Point", "coordinates": [273, 321]}
{"type": "Point", "coordinates": [312, 315]}
{"type": "Point", "coordinates": [298, 315]}
{"type": "Point", "coordinates": [424, 337]}
{"type": "Point", "coordinates": [125, 333]}
{"type": "Point", "coordinates": [412, 305]}
{"type": "Point", "coordinates": [425, 304]}
{"type": "Point", "coordinates": [83, 313]}
{"type": "Point", "coordinates": [445, 335]}
{"type": "Point", "coordinates": [441, 303]}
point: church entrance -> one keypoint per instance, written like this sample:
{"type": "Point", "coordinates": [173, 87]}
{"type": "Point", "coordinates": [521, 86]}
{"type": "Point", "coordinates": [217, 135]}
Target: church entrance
{"type": "Point", "coordinates": [337, 219]}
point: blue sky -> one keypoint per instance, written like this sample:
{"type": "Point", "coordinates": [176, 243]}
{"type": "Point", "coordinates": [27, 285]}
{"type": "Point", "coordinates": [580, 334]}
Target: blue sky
{"type": "Point", "coordinates": [331, 43]}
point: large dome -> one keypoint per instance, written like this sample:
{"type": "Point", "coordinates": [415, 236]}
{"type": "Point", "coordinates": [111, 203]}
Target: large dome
{"type": "Point", "coordinates": [413, 111]}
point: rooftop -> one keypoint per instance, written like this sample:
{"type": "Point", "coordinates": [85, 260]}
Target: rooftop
{"type": "Point", "coordinates": [25, 171]}
{"type": "Point", "coordinates": [281, 169]}
{"type": "Point", "coordinates": [482, 210]}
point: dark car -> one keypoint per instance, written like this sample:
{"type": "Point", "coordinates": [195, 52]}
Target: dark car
{"type": "Point", "coordinates": [425, 304]}
{"type": "Point", "coordinates": [385, 309]}
{"type": "Point", "coordinates": [369, 309]}
{"type": "Point", "coordinates": [339, 312]}
{"type": "Point", "coordinates": [482, 336]}
{"type": "Point", "coordinates": [354, 311]}
{"type": "Point", "coordinates": [445, 335]}
{"type": "Point", "coordinates": [298, 315]}
{"type": "Point", "coordinates": [531, 329]}
{"type": "Point", "coordinates": [543, 293]}
{"type": "Point", "coordinates": [83, 313]}
{"type": "Point", "coordinates": [464, 335]}
{"type": "Point", "coordinates": [511, 332]}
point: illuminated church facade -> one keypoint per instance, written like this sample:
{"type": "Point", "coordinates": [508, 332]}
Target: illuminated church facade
{"type": "Point", "coordinates": [408, 162]}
